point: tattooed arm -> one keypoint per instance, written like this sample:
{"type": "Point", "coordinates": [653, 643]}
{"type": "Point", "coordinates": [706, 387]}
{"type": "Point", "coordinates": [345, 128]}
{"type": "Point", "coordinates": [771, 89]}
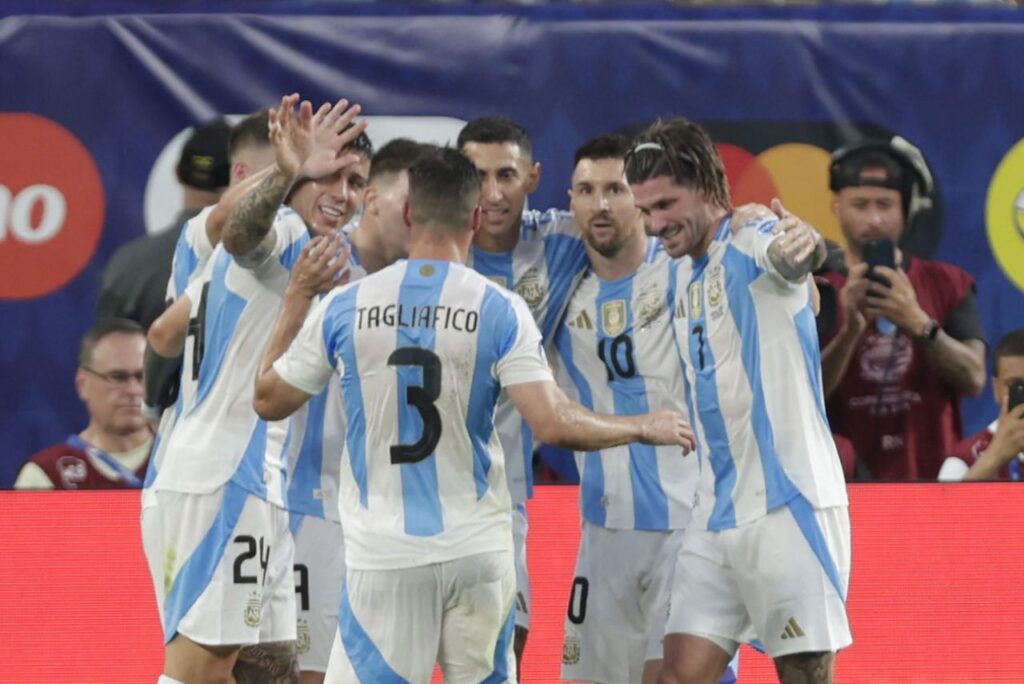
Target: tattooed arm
{"type": "Point", "coordinates": [247, 234]}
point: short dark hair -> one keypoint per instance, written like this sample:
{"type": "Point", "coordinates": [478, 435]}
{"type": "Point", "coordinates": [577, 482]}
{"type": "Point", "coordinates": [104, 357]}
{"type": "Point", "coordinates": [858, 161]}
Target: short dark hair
{"type": "Point", "coordinates": [252, 131]}
{"type": "Point", "coordinates": [444, 189]}
{"type": "Point", "coordinates": [396, 156]}
{"type": "Point", "coordinates": [496, 129]}
{"type": "Point", "coordinates": [102, 328]}
{"type": "Point", "coordinates": [683, 150]}
{"type": "Point", "coordinates": [607, 146]}
{"type": "Point", "coordinates": [1011, 344]}
{"type": "Point", "coordinates": [361, 145]}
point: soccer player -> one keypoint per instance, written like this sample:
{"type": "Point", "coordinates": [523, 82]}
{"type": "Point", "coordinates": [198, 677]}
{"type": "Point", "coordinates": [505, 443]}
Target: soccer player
{"type": "Point", "coordinates": [538, 255]}
{"type": "Point", "coordinates": [217, 540]}
{"type": "Point", "coordinates": [768, 553]}
{"type": "Point", "coordinates": [317, 432]}
{"type": "Point", "coordinates": [423, 348]}
{"type": "Point", "coordinates": [249, 153]}
{"type": "Point", "coordinates": [617, 353]}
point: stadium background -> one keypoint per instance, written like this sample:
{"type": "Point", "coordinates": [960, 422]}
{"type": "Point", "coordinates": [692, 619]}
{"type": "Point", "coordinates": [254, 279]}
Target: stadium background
{"type": "Point", "coordinates": [88, 103]}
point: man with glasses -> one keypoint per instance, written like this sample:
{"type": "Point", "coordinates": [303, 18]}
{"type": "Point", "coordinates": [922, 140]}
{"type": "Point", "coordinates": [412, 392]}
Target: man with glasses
{"type": "Point", "coordinates": [113, 449]}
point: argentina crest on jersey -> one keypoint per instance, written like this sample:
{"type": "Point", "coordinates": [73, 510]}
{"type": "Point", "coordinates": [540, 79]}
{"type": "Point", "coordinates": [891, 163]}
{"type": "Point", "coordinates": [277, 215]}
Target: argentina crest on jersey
{"type": "Point", "coordinates": [696, 299]}
{"type": "Point", "coordinates": [613, 317]}
{"type": "Point", "coordinates": [532, 288]}
{"type": "Point", "coordinates": [716, 291]}
{"type": "Point", "coordinates": [650, 302]}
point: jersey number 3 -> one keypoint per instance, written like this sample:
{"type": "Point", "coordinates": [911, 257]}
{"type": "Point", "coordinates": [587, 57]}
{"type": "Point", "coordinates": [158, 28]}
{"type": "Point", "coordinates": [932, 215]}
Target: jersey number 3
{"type": "Point", "coordinates": [422, 398]}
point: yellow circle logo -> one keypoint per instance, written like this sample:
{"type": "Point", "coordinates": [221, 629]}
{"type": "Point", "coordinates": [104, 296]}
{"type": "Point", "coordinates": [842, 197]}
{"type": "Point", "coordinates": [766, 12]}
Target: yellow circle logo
{"type": "Point", "coordinates": [1004, 214]}
{"type": "Point", "coordinates": [426, 270]}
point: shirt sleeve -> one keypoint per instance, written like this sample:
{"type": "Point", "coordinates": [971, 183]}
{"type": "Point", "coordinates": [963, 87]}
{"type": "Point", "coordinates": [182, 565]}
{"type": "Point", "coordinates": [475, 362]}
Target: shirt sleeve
{"type": "Point", "coordinates": [524, 360]}
{"type": "Point", "coordinates": [33, 477]}
{"type": "Point", "coordinates": [755, 238]}
{"type": "Point", "coordinates": [307, 365]}
{"type": "Point", "coordinates": [964, 322]}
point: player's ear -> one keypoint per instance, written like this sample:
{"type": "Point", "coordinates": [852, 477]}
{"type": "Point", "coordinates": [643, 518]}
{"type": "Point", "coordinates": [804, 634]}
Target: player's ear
{"type": "Point", "coordinates": [407, 214]}
{"type": "Point", "coordinates": [533, 178]}
{"type": "Point", "coordinates": [475, 219]}
{"type": "Point", "coordinates": [80, 379]}
{"type": "Point", "coordinates": [370, 200]}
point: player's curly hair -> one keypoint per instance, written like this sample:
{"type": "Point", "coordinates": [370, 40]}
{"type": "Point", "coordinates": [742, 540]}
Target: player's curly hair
{"type": "Point", "coordinates": [683, 150]}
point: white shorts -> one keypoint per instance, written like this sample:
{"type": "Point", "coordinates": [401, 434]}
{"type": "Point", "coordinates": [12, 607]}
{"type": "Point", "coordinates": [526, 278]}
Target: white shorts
{"type": "Point", "coordinates": [781, 579]}
{"type": "Point", "coordinates": [221, 565]}
{"type": "Point", "coordinates": [619, 602]}
{"type": "Point", "coordinates": [319, 575]}
{"type": "Point", "coordinates": [395, 624]}
{"type": "Point", "coordinates": [520, 526]}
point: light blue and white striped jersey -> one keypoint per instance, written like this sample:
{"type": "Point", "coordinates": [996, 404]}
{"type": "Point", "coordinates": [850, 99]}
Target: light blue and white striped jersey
{"type": "Point", "coordinates": [218, 437]}
{"type": "Point", "coordinates": [617, 355]}
{"type": "Point", "coordinates": [543, 268]}
{"type": "Point", "coordinates": [191, 253]}
{"type": "Point", "coordinates": [749, 344]}
{"type": "Point", "coordinates": [422, 348]}
{"type": "Point", "coordinates": [191, 256]}
{"type": "Point", "coordinates": [315, 433]}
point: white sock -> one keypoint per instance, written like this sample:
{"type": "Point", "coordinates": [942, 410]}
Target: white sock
{"type": "Point", "coordinates": [164, 679]}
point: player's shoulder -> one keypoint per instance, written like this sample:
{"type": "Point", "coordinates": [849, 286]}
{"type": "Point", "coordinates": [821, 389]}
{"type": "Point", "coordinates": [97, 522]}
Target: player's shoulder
{"type": "Point", "coordinates": [540, 224]}
{"type": "Point", "coordinates": [288, 223]}
{"type": "Point", "coordinates": [747, 234]}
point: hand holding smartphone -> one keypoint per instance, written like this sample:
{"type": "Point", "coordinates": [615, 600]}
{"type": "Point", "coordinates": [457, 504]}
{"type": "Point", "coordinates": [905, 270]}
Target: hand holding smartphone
{"type": "Point", "coordinates": [875, 253]}
{"type": "Point", "coordinates": [1016, 397]}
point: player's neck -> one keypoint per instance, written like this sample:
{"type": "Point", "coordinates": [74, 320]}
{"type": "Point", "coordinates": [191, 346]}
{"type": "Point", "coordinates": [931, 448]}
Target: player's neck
{"type": "Point", "coordinates": [497, 244]}
{"type": "Point", "coordinates": [370, 248]}
{"type": "Point", "coordinates": [113, 443]}
{"type": "Point", "coordinates": [715, 221]}
{"type": "Point", "coordinates": [622, 264]}
{"type": "Point", "coordinates": [438, 249]}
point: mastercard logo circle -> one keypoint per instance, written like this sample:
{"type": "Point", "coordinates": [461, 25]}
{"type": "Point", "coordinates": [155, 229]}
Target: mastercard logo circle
{"type": "Point", "coordinates": [51, 206]}
{"type": "Point", "coordinates": [1004, 214]}
{"type": "Point", "coordinates": [796, 173]}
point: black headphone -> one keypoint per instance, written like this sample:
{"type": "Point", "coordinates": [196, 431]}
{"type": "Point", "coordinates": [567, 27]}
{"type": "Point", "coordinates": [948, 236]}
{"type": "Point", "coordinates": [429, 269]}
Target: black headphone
{"type": "Point", "coordinates": [918, 186]}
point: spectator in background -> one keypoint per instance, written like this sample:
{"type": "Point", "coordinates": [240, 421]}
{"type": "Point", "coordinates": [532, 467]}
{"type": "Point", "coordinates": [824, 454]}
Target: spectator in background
{"type": "Point", "coordinates": [905, 350]}
{"type": "Point", "coordinates": [113, 449]}
{"type": "Point", "coordinates": [996, 452]}
{"type": "Point", "coordinates": [134, 282]}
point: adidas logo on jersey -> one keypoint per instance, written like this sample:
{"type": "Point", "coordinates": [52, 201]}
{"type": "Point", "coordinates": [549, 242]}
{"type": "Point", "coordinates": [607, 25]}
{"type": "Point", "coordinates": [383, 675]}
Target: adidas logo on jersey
{"type": "Point", "coordinates": [792, 630]}
{"type": "Point", "coordinates": [582, 321]}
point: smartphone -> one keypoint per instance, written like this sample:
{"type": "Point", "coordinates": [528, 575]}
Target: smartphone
{"type": "Point", "coordinates": [1016, 397]}
{"type": "Point", "coordinates": [880, 252]}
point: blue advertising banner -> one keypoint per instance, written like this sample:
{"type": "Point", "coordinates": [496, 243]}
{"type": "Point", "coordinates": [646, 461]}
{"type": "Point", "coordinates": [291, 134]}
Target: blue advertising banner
{"type": "Point", "coordinates": [88, 105]}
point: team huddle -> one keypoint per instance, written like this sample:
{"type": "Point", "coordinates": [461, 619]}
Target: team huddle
{"type": "Point", "coordinates": [339, 476]}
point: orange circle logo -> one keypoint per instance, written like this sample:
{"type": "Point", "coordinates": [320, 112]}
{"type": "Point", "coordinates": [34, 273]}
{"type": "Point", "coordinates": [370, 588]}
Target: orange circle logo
{"type": "Point", "coordinates": [796, 173]}
{"type": "Point", "coordinates": [51, 206]}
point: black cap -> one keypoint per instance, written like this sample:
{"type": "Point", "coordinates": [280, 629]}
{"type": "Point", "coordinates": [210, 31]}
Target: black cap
{"type": "Point", "coordinates": [204, 160]}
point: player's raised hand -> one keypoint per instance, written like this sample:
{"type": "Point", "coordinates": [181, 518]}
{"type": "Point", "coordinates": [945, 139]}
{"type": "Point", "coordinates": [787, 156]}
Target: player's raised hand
{"type": "Point", "coordinates": [333, 129]}
{"type": "Point", "coordinates": [800, 242]}
{"type": "Point", "coordinates": [291, 133]}
{"type": "Point", "coordinates": [322, 266]}
{"type": "Point", "coordinates": [667, 428]}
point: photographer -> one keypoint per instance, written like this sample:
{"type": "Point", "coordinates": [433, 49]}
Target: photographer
{"type": "Point", "coordinates": [996, 452]}
{"type": "Point", "coordinates": [909, 341]}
